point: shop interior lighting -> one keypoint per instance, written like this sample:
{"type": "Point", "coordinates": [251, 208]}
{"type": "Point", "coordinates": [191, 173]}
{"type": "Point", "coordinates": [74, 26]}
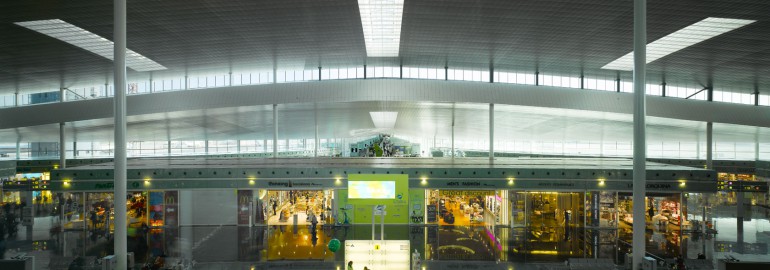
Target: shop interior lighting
{"type": "Point", "coordinates": [89, 41]}
{"type": "Point", "coordinates": [381, 22]}
{"type": "Point", "coordinates": [693, 34]}
{"type": "Point", "coordinates": [384, 120]}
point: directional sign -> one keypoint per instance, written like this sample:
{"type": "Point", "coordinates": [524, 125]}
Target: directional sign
{"type": "Point", "coordinates": [379, 210]}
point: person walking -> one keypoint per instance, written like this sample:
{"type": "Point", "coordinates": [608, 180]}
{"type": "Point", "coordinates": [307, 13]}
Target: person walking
{"type": "Point", "coordinates": [350, 265]}
{"type": "Point", "coordinates": [275, 206]}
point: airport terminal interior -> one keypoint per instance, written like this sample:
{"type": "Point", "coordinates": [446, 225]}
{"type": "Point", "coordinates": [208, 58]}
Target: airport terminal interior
{"type": "Point", "coordinates": [385, 134]}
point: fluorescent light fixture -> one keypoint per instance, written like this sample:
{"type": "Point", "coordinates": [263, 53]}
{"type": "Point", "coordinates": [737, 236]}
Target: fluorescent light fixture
{"type": "Point", "coordinates": [88, 41]}
{"type": "Point", "coordinates": [381, 20]}
{"type": "Point", "coordinates": [384, 120]}
{"type": "Point", "coordinates": [693, 34]}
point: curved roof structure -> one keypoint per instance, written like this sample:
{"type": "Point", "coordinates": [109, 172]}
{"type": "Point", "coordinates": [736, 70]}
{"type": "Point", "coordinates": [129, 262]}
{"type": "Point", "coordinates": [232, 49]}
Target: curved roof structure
{"type": "Point", "coordinates": [235, 57]}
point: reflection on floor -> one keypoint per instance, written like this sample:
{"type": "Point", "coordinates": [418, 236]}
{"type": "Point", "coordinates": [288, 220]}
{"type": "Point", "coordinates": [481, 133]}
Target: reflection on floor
{"type": "Point", "coordinates": [464, 243]}
{"type": "Point", "coordinates": [300, 243]}
{"type": "Point", "coordinates": [233, 247]}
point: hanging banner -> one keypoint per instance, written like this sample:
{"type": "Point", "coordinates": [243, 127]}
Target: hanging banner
{"type": "Point", "coordinates": [244, 205]}
{"type": "Point", "coordinates": [156, 209]}
{"type": "Point", "coordinates": [172, 208]}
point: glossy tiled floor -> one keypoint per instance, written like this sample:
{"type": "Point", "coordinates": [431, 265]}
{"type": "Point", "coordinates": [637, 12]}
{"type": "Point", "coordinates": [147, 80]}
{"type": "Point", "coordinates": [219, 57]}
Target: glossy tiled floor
{"type": "Point", "coordinates": [456, 247]}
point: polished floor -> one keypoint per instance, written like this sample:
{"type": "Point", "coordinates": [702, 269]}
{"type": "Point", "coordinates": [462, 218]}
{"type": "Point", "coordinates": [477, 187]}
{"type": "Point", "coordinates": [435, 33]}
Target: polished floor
{"type": "Point", "coordinates": [477, 247]}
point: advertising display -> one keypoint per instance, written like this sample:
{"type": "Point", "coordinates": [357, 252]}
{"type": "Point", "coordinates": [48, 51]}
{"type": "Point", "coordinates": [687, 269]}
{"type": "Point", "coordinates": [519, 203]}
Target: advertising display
{"type": "Point", "coordinates": [244, 205]}
{"type": "Point", "coordinates": [367, 190]}
{"type": "Point", "coordinates": [156, 209]}
{"type": "Point", "coordinates": [371, 189]}
{"type": "Point", "coordinates": [172, 209]}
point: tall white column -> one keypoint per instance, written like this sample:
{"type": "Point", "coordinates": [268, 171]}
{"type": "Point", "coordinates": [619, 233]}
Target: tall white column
{"type": "Point", "coordinates": [275, 131]}
{"type": "Point", "coordinates": [62, 141]}
{"type": "Point", "coordinates": [121, 244]}
{"type": "Point", "coordinates": [453, 131]}
{"type": "Point", "coordinates": [315, 142]}
{"type": "Point", "coordinates": [62, 147]}
{"type": "Point", "coordinates": [491, 131]}
{"type": "Point", "coordinates": [640, 140]}
{"type": "Point", "coordinates": [709, 145]}
{"type": "Point", "coordinates": [756, 144]}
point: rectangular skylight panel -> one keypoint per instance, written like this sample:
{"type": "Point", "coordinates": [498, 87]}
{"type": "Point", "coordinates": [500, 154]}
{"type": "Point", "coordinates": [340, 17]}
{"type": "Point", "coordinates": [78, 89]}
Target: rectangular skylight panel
{"type": "Point", "coordinates": [381, 21]}
{"type": "Point", "coordinates": [683, 38]}
{"type": "Point", "coordinates": [86, 40]}
{"type": "Point", "coordinates": [384, 120]}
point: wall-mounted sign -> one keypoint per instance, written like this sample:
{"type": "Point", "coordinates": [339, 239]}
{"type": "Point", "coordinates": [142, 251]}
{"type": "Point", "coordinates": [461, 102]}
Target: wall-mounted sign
{"type": "Point", "coordinates": [459, 184]}
{"type": "Point", "coordinates": [471, 193]}
{"type": "Point", "coordinates": [300, 184]}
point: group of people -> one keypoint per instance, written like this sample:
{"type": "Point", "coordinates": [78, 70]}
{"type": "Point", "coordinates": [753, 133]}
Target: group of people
{"type": "Point", "coordinates": [380, 147]}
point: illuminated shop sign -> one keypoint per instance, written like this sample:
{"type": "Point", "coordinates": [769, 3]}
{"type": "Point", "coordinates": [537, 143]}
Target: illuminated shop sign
{"type": "Point", "coordinates": [467, 192]}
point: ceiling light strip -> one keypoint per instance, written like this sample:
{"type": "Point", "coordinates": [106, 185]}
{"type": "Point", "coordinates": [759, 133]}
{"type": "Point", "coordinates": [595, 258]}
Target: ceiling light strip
{"type": "Point", "coordinates": [693, 34]}
{"type": "Point", "coordinates": [381, 21]}
{"type": "Point", "coordinates": [89, 41]}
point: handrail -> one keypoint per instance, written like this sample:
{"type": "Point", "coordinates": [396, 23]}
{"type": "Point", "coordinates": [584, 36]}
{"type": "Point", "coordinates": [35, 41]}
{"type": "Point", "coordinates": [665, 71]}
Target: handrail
{"type": "Point", "coordinates": [76, 94]}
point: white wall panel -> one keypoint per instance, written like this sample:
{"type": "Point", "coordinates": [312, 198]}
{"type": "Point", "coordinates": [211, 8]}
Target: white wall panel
{"type": "Point", "coordinates": [388, 90]}
{"type": "Point", "coordinates": [207, 207]}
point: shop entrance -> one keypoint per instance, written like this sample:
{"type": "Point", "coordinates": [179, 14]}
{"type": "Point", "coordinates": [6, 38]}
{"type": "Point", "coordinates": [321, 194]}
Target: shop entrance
{"type": "Point", "coordinates": [467, 207]}
{"type": "Point", "coordinates": [662, 211]}
{"type": "Point", "coordinates": [549, 216]}
{"type": "Point", "coordinates": [283, 206]}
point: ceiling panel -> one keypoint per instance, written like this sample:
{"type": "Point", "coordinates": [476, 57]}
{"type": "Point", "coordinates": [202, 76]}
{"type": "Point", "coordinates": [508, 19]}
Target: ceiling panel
{"type": "Point", "coordinates": [552, 36]}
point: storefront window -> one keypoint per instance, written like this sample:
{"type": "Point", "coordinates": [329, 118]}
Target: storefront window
{"type": "Point", "coordinates": [467, 207]}
{"type": "Point", "coordinates": [283, 205]}
{"type": "Point", "coordinates": [73, 214]}
{"type": "Point", "coordinates": [100, 211]}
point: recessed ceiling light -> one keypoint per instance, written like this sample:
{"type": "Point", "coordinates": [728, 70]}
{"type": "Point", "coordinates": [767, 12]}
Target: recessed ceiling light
{"type": "Point", "coordinates": [693, 34]}
{"type": "Point", "coordinates": [91, 42]}
{"type": "Point", "coordinates": [384, 120]}
{"type": "Point", "coordinates": [381, 21]}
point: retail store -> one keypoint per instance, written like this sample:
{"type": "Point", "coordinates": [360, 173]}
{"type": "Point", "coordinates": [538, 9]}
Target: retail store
{"type": "Point", "coordinates": [282, 205]}
{"type": "Point", "coordinates": [14, 189]}
{"type": "Point", "coordinates": [280, 201]}
{"type": "Point", "coordinates": [96, 210]}
{"type": "Point", "coordinates": [465, 207]}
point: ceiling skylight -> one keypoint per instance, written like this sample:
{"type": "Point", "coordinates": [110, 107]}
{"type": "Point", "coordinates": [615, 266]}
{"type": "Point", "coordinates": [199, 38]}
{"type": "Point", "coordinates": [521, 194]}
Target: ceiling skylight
{"type": "Point", "coordinates": [86, 40]}
{"type": "Point", "coordinates": [384, 120]}
{"type": "Point", "coordinates": [381, 20]}
{"type": "Point", "coordinates": [693, 34]}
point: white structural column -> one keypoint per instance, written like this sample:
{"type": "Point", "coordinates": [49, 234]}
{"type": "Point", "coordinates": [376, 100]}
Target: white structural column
{"type": "Point", "coordinates": [710, 146]}
{"type": "Point", "coordinates": [62, 139]}
{"type": "Point", "coordinates": [121, 244]}
{"type": "Point", "coordinates": [315, 142]}
{"type": "Point", "coordinates": [18, 148]}
{"type": "Point", "coordinates": [640, 140]}
{"type": "Point", "coordinates": [756, 144]}
{"type": "Point", "coordinates": [491, 131]}
{"type": "Point", "coordinates": [275, 131]}
{"type": "Point", "coordinates": [453, 131]}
